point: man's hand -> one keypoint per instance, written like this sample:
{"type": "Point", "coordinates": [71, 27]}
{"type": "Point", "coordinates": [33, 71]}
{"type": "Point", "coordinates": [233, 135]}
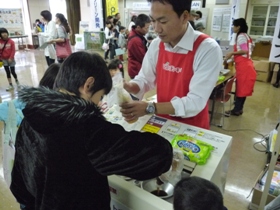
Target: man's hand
{"type": "Point", "coordinates": [228, 56]}
{"type": "Point", "coordinates": [133, 110]}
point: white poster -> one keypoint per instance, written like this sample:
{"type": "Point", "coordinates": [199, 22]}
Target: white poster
{"type": "Point", "coordinates": [11, 19]}
{"type": "Point", "coordinates": [196, 5]}
{"type": "Point", "coordinates": [141, 6]}
{"type": "Point", "coordinates": [275, 48]}
{"type": "Point", "coordinates": [217, 19]}
{"type": "Point", "coordinates": [235, 7]}
{"type": "Point", "coordinates": [96, 14]}
{"type": "Point", "coordinates": [226, 22]}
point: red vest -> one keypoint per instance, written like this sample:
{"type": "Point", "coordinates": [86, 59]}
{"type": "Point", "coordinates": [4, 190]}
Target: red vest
{"type": "Point", "coordinates": [174, 73]}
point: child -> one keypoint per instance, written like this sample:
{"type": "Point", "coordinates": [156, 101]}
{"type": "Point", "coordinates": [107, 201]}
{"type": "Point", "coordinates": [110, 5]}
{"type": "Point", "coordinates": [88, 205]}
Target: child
{"type": "Point", "coordinates": [195, 193]}
{"type": "Point", "coordinates": [122, 41]}
{"type": "Point", "coordinates": [7, 54]}
{"type": "Point", "coordinates": [115, 66]}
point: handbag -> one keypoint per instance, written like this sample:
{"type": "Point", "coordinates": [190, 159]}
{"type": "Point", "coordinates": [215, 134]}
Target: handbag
{"type": "Point", "coordinates": [63, 49]}
{"type": "Point", "coordinates": [105, 46]}
{"type": "Point", "coordinates": [1, 62]}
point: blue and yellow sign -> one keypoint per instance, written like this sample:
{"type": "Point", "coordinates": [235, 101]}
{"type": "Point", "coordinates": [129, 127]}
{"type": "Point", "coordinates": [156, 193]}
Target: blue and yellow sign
{"type": "Point", "coordinates": [111, 7]}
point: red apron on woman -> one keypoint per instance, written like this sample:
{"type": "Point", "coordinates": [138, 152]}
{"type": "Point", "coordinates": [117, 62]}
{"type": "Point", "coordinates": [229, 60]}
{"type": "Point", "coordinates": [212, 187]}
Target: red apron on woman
{"type": "Point", "coordinates": [174, 73]}
{"type": "Point", "coordinates": [245, 73]}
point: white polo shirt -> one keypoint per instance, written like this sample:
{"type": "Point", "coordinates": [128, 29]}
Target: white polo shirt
{"type": "Point", "coordinates": [206, 66]}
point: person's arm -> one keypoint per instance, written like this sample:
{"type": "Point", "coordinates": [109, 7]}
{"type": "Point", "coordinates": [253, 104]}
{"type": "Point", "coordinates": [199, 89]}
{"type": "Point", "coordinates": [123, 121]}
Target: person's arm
{"type": "Point", "coordinates": [134, 154]}
{"type": "Point", "coordinates": [61, 35]}
{"type": "Point", "coordinates": [13, 49]}
{"type": "Point", "coordinates": [242, 44]}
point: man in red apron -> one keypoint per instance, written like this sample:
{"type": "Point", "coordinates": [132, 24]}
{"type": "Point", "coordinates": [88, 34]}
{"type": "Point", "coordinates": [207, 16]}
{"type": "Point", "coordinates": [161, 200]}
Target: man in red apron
{"type": "Point", "coordinates": [245, 72]}
{"type": "Point", "coordinates": [182, 64]}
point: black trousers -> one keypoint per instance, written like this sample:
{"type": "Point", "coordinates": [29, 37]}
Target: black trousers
{"type": "Point", "coordinates": [9, 70]}
{"type": "Point", "coordinates": [278, 75]}
{"type": "Point", "coordinates": [49, 60]}
{"type": "Point", "coordinates": [239, 104]}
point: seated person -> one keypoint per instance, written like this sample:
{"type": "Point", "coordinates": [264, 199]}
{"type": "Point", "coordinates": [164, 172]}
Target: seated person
{"type": "Point", "coordinates": [195, 193]}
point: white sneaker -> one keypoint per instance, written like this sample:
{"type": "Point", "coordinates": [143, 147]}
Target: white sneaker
{"type": "Point", "coordinates": [17, 82]}
{"type": "Point", "coordinates": [9, 88]}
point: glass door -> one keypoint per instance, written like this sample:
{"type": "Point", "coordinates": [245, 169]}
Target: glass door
{"type": "Point", "coordinates": [258, 20]}
{"type": "Point", "coordinates": [271, 23]}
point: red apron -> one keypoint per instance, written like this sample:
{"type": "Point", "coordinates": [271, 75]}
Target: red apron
{"type": "Point", "coordinates": [174, 73]}
{"type": "Point", "coordinates": [245, 73]}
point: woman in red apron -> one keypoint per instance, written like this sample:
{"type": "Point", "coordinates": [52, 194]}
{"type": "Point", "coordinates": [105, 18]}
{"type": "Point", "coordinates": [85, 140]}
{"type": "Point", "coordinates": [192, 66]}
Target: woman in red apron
{"type": "Point", "coordinates": [245, 72]}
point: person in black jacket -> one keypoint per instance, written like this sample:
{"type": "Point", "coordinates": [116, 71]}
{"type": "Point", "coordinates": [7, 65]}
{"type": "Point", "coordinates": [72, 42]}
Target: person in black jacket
{"type": "Point", "coordinates": [65, 149]}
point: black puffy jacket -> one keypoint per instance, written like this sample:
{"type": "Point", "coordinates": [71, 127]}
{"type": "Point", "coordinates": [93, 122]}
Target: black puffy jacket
{"type": "Point", "coordinates": [65, 150]}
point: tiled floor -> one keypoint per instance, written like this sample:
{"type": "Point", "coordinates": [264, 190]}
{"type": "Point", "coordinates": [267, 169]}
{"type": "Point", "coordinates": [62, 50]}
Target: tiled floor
{"type": "Point", "coordinates": [261, 113]}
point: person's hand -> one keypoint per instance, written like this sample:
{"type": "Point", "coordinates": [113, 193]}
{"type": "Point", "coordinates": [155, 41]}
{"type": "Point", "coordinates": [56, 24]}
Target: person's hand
{"type": "Point", "coordinates": [51, 42]}
{"type": "Point", "coordinates": [228, 56]}
{"type": "Point", "coordinates": [133, 110]}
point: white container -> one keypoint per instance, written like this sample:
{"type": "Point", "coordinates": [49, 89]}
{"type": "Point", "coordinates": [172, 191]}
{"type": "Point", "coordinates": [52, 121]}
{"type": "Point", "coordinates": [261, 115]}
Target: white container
{"type": "Point", "coordinates": [80, 42]}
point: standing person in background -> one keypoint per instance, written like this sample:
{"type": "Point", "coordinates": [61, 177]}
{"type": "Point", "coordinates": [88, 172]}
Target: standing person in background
{"type": "Point", "coordinates": [109, 39]}
{"type": "Point", "coordinates": [118, 17]}
{"type": "Point", "coordinates": [132, 22]}
{"type": "Point", "coordinates": [137, 44]}
{"type": "Point", "coordinates": [199, 16]}
{"type": "Point", "coordinates": [122, 41]}
{"type": "Point", "coordinates": [63, 32]}
{"type": "Point", "coordinates": [192, 18]}
{"type": "Point", "coordinates": [49, 34]}
{"type": "Point", "coordinates": [39, 26]}
{"type": "Point", "coordinates": [182, 64]}
{"type": "Point", "coordinates": [199, 27]}
{"type": "Point", "coordinates": [7, 55]}
{"type": "Point", "coordinates": [245, 72]}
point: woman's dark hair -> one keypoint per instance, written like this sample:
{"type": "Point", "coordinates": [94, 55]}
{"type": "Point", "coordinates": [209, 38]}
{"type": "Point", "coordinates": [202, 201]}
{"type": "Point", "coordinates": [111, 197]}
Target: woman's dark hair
{"type": "Point", "coordinates": [63, 21]}
{"type": "Point", "coordinates": [199, 13]}
{"type": "Point", "coordinates": [78, 67]}
{"type": "Point", "coordinates": [133, 18]}
{"type": "Point", "coordinates": [46, 15]}
{"type": "Point", "coordinates": [50, 75]}
{"type": "Point", "coordinates": [115, 21]}
{"type": "Point", "coordinates": [179, 6]}
{"type": "Point", "coordinates": [141, 20]}
{"type": "Point", "coordinates": [3, 30]}
{"type": "Point", "coordinates": [243, 25]}
{"type": "Point", "coordinates": [195, 193]}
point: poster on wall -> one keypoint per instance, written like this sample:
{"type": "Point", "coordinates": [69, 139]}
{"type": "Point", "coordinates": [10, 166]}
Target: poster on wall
{"type": "Point", "coordinates": [11, 19]}
{"type": "Point", "coordinates": [217, 19]}
{"type": "Point", "coordinates": [141, 5]}
{"type": "Point", "coordinates": [96, 14]}
{"type": "Point", "coordinates": [111, 7]}
{"type": "Point", "coordinates": [275, 48]}
{"type": "Point", "coordinates": [226, 22]}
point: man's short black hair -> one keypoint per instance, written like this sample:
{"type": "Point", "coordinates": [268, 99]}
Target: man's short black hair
{"type": "Point", "coordinates": [78, 67]}
{"type": "Point", "coordinates": [179, 6]}
{"type": "Point", "coordinates": [141, 20]}
{"type": "Point", "coordinates": [199, 13]}
{"type": "Point", "coordinates": [46, 15]}
{"type": "Point", "coordinates": [195, 193]}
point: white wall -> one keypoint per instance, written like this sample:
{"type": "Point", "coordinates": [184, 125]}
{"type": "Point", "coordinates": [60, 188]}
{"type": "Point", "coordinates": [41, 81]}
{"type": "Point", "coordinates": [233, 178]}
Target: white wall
{"type": "Point", "coordinates": [210, 4]}
{"type": "Point", "coordinates": [35, 8]}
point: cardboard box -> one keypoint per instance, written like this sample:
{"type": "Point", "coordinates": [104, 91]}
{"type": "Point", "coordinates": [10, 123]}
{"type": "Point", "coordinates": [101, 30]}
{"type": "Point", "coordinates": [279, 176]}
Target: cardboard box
{"type": "Point", "coordinates": [262, 49]}
{"type": "Point", "coordinates": [257, 194]}
{"type": "Point", "coordinates": [264, 76]}
{"type": "Point", "coordinates": [261, 65]}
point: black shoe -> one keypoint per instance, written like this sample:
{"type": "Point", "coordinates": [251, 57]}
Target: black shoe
{"type": "Point", "coordinates": [233, 112]}
{"type": "Point", "coordinates": [276, 85]}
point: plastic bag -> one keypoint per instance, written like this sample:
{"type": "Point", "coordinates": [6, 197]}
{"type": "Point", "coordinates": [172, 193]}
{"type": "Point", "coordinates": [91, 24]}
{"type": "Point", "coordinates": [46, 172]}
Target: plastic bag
{"type": "Point", "coordinates": [194, 150]}
{"type": "Point", "coordinates": [105, 46]}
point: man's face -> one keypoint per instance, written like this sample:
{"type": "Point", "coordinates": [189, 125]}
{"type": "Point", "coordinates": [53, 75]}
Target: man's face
{"type": "Point", "coordinates": [118, 16]}
{"type": "Point", "coordinates": [143, 30]}
{"type": "Point", "coordinates": [167, 24]}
